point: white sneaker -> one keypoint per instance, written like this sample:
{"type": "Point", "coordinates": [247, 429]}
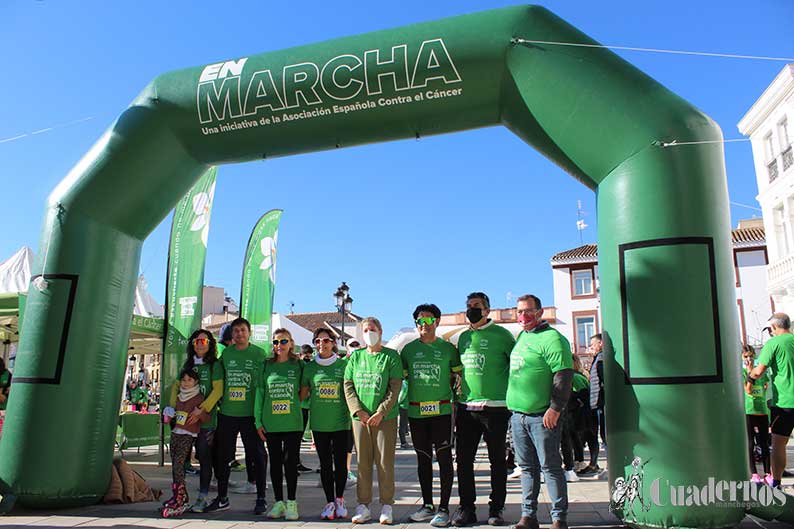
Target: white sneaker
{"type": "Point", "coordinates": [386, 517]}
{"type": "Point", "coordinates": [362, 514]}
{"type": "Point", "coordinates": [341, 510]}
{"type": "Point", "coordinates": [515, 474]}
{"type": "Point", "coordinates": [570, 476]}
{"type": "Point", "coordinates": [329, 511]}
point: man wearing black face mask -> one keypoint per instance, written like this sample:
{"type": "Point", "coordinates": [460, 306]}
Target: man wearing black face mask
{"type": "Point", "coordinates": [482, 409]}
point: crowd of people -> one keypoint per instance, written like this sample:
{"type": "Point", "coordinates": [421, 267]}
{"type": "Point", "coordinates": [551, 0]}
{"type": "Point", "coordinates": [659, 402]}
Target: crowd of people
{"type": "Point", "coordinates": [451, 398]}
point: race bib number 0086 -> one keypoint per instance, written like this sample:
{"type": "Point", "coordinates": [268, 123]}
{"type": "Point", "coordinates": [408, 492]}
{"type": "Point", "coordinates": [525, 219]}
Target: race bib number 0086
{"type": "Point", "coordinates": [328, 390]}
{"type": "Point", "coordinates": [237, 394]}
{"type": "Point", "coordinates": [281, 407]}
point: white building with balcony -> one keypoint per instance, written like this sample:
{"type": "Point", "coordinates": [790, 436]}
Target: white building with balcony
{"type": "Point", "coordinates": [768, 125]}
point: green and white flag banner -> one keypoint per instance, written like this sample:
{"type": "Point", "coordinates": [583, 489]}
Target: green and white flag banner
{"type": "Point", "coordinates": [187, 254]}
{"type": "Point", "coordinates": [259, 278]}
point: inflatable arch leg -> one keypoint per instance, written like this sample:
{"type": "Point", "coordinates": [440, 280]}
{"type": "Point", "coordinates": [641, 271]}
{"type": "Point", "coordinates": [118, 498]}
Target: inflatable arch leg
{"type": "Point", "coordinates": [674, 402]}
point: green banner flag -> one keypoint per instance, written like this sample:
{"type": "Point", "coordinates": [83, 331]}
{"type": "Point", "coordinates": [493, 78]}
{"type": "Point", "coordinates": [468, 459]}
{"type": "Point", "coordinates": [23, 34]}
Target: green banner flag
{"type": "Point", "coordinates": [186, 255]}
{"type": "Point", "coordinates": [259, 278]}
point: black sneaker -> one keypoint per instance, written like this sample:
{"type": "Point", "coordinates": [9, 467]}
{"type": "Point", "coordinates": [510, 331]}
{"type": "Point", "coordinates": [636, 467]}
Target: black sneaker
{"type": "Point", "coordinates": [464, 516]}
{"type": "Point", "coordinates": [260, 507]}
{"type": "Point", "coordinates": [495, 517]}
{"type": "Point", "coordinates": [303, 469]}
{"type": "Point", "coordinates": [589, 470]}
{"type": "Point", "coordinates": [218, 504]}
{"type": "Point", "coordinates": [191, 470]}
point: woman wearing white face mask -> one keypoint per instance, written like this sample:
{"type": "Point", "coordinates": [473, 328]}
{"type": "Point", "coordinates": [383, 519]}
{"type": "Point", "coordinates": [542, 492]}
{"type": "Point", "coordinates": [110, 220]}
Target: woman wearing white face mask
{"type": "Point", "coordinates": [373, 378]}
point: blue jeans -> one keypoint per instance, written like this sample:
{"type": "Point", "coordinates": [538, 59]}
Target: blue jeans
{"type": "Point", "coordinates": [538, 448]}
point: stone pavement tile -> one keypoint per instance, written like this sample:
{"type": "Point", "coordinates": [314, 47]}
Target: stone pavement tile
{"type": "Point", "coordinates": [22, 520]}
{"type": "Point", "coordinates": [62, 521]}
{"type": "Point", "coordinates": [209, 524]}
{"type": "Point", "coordinates": [117, 521]}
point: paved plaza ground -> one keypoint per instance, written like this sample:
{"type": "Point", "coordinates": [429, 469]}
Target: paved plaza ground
{"type": "Point", "coordinates": [589, 502]}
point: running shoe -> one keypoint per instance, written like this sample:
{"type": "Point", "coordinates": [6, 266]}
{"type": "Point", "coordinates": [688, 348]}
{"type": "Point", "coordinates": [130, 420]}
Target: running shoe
{"type": "Point", "coordinates": [303, 469]}
{"type": "Point", "coordinates": [243, 488]}
{"type": "Point", "coordinates": [570, 476]}
{"type": "Point", "coordinates": [218, 504]}
{"type": "Point", "coordinates": [237, 466]}
{"type": "Point", "coordinates": [589, 470]}
{"type": "Point", "coordinates": [351, 480]}
{"type": "Point", "coordinates": [464, 516]}
{"type": "Point", "coordinates": [768, 479]}
{"type": "Point", "coordinates": [495, 517]}
{"type": "Point", "coordinates": [329, 511]}
{"type": "Point", "coordinates": [515, 474]}
{"type": "Point", "coordinates": [362, 514]}
{"type": "Point", "coordinates": [425, 513]}
{"type": "Point", "coordinates": [341, 509]}
{"type": "Point", "coordinates": [260, 506]}
{"type": "Point", "coordinates": [756, 479]}
{"type": "Point", "coordinates": [279, 510]}
{"type": "Point", "coordinates": [386, 516]}
{"type": "Point", "coordinates": [200, 504]}
{"type": "Point", "coordinates": [292, 511]}
{"type": "Point", "coordinates": [441, 519]}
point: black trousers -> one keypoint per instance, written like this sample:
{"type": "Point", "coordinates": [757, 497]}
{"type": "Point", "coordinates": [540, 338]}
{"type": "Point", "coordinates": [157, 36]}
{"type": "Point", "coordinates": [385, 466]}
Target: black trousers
{"type": "Point", "coordinates": [332, 449]}
{"type": "Point", "coordinates": [427, 434]}
{"type": "Point", "coordinates": [758, 435]}
{"type": "Point", "coordinates": [284, 448]}
{"type": "Point", "coordinates": [569, 441]}
{"type": "Point", "coordinates": [226, 437]}
{"type": "Point", "coordinates": [205, 452]}
{"type": "Point", "coordinates": [470, 427]}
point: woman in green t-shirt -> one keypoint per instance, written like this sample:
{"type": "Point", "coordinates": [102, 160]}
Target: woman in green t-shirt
{"type": "Point", "coordinates": [321, 387]}
{"type": "Point", "coordinates": [279, 421]}
{"type": "Point", "coordinates": [757, 417]}
{"type": "Point", "coordinates": [202, 356]}
{"type": "Point", "coordinates": [373, 378]}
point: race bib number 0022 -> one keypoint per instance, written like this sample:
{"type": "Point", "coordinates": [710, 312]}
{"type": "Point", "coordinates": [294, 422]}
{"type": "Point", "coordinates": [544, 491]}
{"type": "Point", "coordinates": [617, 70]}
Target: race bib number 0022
{"type": "Point", "coordinates": [281, 407]}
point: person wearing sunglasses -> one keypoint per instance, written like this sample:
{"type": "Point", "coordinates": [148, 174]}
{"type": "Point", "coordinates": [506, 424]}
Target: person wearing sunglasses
{"type": "Point", "coordinates": [321, 386]}
{"type": "Point", "coordinates": [279, 421]}
{"type": "Point", "coordinates": [431, 366]}
{"type": "Point", "coordinates": [373, 378]}
{"type": "Point", "coordinates": [242, 366]}
{"type": "Point", "coordinates": [202, 358]}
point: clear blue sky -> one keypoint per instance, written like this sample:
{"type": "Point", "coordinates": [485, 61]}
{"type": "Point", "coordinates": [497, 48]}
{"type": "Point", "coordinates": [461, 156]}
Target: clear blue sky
{"type": "Point", "coordinates": [444, 215]}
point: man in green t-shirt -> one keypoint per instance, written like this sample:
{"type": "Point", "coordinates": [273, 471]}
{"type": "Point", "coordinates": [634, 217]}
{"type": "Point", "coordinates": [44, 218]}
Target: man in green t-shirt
{"type": "Point", "coordinates": [778, 354]}
{"type": "Point", "coordinates": [431, 366]}
{"type": "Point", "coordinates": [541, 374]}
{"type": "Point", "coordinates": [242, 365]}
{"type": "Point", "coordinates": [482, 410]}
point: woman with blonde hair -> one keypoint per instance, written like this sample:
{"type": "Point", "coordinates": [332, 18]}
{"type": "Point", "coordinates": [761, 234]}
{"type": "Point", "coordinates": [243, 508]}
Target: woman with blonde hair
{"type": "Point", "coordinates": [279, 421]}
{"type": "Point", "coordinates": [373, 379]}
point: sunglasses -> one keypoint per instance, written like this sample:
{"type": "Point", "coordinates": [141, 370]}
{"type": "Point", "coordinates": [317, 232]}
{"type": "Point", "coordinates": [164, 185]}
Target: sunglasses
{"type": "Point", "coordinates": [283, 341]}
{"type": "Point", "coordinates": [318, 341]}
{"type": "Point", "coordinates": [429, 320]}
{"type": "Point", "coordinates": [201, 341]}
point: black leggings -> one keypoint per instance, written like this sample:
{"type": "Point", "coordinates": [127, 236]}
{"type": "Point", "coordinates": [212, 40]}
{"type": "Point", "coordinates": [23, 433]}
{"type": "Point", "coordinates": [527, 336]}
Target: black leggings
{"type": "Point", "coordinates": [569, 440]}
{"type": "Point", "coordinates": [226, 439]}
{"type": "Point", "coordinates": [758, 433]}
{"type": "Point", "coordinates": [332, 450]}
{"type": "Point", "coordinates": [284, 448]}
{"type": "Point", "coordinates": [205, 444]}
{"type": "Point", "coordinates": [425, 434]}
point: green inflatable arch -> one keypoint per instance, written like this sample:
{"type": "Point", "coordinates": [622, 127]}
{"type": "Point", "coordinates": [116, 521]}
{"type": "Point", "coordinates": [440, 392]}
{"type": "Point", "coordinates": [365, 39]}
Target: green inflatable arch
{"type": "Point", "coordinates": [674, 411]}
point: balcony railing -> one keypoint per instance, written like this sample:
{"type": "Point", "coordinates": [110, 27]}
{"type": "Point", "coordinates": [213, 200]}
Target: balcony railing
{"type": "Point", "coordinates": [771, 167]}
{"type": "Point", "coordinates": [788, 158]}
{"type": "Point", "coordinates": [780, 272]}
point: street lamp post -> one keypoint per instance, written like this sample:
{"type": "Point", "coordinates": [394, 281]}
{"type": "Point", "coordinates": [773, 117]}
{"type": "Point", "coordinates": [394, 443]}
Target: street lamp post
{"type": "Point", "coordinates": [343, 304]}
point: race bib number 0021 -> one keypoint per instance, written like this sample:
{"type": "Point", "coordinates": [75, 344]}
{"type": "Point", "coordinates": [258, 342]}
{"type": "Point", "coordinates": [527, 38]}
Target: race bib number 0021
{"type": "Point", "coordinates": [281, 407]}
{"type": "Point", "coordinates": [429, 408]}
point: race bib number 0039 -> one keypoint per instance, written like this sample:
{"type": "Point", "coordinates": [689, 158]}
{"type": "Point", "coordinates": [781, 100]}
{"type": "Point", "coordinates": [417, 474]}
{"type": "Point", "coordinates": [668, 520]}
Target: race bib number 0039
{"type": "Point", "coordinates": [429, 408]}
{"type": "Point", "coordinates": [281, 407]}
{"type": "Point", "coordinates": [328, 390]}
{"type": "Point", "coordinates": [237, 394]}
